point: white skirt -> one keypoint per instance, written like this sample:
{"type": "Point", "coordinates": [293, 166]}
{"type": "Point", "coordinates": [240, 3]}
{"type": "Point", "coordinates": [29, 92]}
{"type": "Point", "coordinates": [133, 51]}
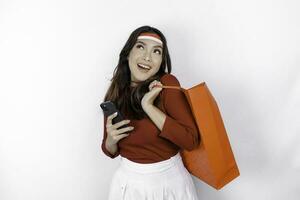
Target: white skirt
{"type": "Point", "coordinates": [164, 180]}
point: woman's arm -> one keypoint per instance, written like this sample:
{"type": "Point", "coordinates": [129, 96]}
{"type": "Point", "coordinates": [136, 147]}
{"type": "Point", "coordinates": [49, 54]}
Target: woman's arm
{"type": "Point", "coordinates": [156, 115]}
{"type": "Point", "coordinates": [178, 124]}
{"type": "Point", "coordinates": [110, 150]}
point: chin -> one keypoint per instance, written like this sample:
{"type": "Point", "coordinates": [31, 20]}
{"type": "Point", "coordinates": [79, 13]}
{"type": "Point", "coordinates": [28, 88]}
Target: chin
{"type": "Point", "coordinates": [143, 77]}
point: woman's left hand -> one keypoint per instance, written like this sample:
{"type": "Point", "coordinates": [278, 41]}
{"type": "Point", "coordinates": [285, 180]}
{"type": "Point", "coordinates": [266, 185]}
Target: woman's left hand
{"type": "Point", "coordinates": [154, 90]}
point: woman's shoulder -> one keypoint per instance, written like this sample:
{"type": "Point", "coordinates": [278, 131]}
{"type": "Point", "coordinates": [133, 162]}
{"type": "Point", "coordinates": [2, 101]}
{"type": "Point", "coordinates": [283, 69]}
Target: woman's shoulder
{"type": "Point", "coordinates": [169, 79]}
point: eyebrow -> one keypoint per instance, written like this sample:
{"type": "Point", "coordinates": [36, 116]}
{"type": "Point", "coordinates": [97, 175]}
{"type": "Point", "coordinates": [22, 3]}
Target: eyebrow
{"type": "Point", "coordinates": [146, 45]}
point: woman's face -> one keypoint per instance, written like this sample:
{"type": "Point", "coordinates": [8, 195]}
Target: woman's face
{"type": "Point", "coordinates": [144, 54]}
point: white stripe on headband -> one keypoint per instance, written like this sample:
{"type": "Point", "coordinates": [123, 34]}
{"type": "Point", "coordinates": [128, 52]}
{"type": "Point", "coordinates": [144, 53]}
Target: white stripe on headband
{"type": "Point", "coordinates": [150, 38]}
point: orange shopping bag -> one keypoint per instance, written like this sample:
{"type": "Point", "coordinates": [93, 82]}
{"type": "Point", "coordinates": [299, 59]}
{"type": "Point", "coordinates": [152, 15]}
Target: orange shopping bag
{"type": "Point", "coordinates": [213, 160]}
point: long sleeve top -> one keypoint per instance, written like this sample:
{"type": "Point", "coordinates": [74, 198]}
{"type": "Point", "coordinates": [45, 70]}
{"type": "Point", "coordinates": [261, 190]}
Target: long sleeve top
{"type": "Point", "coordinates": [148, 144]}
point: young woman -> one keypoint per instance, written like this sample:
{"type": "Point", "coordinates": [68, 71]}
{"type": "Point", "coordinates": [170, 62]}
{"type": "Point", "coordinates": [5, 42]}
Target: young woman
{"type": "Point", "coordinates": [160, 124]}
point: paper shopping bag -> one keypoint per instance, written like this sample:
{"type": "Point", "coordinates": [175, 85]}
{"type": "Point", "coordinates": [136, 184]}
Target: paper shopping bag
{"type": "Point", "coordinates": [213, 160]}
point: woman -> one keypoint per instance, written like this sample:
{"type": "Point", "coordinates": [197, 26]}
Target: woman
{"type": "Point", "coordinates": [160, 125]}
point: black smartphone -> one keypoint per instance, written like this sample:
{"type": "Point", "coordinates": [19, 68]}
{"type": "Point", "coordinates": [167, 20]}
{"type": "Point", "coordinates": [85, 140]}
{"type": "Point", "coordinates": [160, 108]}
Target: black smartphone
{"type": "Point", "coordinates": [109, 108]}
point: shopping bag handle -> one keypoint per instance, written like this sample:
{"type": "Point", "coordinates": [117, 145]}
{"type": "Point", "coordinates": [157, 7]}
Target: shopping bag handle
{"type": "Point", "coordinates": [181, 88]}
{"type": "Point", "coordinates": [172, 87]}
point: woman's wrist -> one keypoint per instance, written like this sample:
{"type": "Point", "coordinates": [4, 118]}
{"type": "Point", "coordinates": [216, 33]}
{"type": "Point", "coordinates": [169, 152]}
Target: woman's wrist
{"type": "Point", "coordinates": [112, 148]}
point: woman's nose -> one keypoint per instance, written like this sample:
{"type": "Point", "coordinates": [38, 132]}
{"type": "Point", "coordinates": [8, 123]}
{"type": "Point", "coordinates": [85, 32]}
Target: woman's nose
{"type": "Point", "coordinates": [147, 56]}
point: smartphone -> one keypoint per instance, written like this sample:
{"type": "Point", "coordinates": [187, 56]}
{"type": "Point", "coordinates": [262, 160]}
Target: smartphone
{"type": "Point", "coordinates": [109, 108]}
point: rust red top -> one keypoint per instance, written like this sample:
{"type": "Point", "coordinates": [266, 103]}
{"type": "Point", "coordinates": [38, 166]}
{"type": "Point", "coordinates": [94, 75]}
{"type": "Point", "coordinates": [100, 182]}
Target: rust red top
{"type": "Point", "coordinates": [146, 143]}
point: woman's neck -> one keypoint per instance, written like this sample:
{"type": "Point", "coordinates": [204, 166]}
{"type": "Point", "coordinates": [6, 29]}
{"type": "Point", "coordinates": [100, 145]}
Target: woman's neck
{"type": "Point", "coordinates": [133, 84]}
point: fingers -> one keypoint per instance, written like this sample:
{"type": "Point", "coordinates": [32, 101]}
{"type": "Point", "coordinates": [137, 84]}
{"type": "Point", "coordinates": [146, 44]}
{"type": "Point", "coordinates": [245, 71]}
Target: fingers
{"type": "Point", "coordinates": [154, 83]}
{"type": "Point", "coordinates": [123, 130]}
{"type": "Point", "coordinates": [121, 123]}
{"type": "Point", "coordinates": [114, 134]}
{"type": "Point", "coordinates": [120, 133]}
{"type": "Point", "coordinates": [121, 136]}
{"type": "Point", "coordinates": [113, 128]}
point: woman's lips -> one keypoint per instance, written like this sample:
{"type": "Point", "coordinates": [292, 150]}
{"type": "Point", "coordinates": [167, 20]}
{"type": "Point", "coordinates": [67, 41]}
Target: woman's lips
{"type": "Point", "coordinates": [142, 69]}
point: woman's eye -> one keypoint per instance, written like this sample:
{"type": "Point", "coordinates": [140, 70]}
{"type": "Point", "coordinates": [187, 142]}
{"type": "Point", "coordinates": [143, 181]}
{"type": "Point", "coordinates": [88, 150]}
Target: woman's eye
{"type": "Point", "coordinates": [157, 51]}
{"type": "Point", "coordinates": [139, 46]}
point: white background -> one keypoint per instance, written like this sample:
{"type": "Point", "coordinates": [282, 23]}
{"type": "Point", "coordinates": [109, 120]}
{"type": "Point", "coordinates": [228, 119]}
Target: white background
{"type": "Point", "coordinates": [57, 57]}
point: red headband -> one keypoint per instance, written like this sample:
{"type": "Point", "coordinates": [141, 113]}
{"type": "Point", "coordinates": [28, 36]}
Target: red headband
{"type": "Point", "coordinates": [151, 36]}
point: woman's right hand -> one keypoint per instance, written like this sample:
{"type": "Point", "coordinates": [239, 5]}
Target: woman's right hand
{"type": "Point", "coordinates": [114, 134]}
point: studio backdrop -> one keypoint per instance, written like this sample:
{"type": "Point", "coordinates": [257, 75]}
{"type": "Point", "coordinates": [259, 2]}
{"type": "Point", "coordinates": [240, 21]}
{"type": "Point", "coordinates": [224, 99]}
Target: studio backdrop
{"type": "Point", "coordinates": [57, 59]}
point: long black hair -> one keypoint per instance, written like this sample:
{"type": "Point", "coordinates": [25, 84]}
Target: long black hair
{"type": "Point", "coordinates": [128, 99]}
